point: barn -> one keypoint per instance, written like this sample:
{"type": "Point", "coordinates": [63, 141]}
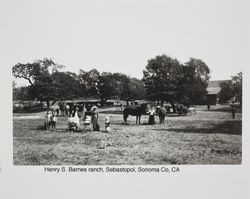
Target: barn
{"type": "Point", "coordinates": [213, 90]}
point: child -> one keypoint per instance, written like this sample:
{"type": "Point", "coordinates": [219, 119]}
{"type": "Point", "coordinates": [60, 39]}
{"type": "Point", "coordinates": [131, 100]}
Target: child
{"type": "Point", "coordinates": [53, 122]}
{"type": "Point", "coordinates": [87, 119]}
{"type": "Point", "coordinates": [71, 123]}
{"type": "Point", "coordinates": [107, 124]}
{"type": "Point", "coordinates": [47, 120]}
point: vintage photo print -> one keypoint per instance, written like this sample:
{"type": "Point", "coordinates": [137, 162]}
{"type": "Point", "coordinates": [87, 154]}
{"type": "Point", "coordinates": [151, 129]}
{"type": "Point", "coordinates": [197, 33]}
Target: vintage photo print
{"type": "Point", "coordinates": [124, 98]}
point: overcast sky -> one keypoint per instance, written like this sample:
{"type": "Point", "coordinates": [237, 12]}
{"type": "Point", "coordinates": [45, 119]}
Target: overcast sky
{"type": "Point", "coordinates": [121, 35]}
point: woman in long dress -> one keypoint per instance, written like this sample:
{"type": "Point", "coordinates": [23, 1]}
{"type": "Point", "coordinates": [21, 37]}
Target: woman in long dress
{"type": "Point", "coordinates": [76, 119]}
{"type": "Point", "coordinates": [151, 120]}
{"type": "Point", "coordinates": [95, 118]}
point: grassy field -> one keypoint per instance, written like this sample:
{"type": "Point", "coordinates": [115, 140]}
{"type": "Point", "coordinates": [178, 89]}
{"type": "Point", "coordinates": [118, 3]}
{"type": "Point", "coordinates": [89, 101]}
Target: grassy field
{"type": "Point", "coordinates": [209, 137]}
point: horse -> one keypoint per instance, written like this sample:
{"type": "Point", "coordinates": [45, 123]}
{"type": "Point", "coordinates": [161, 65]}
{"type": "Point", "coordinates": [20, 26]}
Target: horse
{"type": "Point", "coordinates": [135, 111]}
{"type": "Point", "coordinates": [161, 112]}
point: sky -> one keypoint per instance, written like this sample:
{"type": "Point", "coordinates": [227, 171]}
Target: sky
{"type": "Point", "coordinates": [121, 35]}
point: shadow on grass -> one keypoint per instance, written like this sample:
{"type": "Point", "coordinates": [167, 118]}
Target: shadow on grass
{"type": "Point", "coordinates": [227, 127]}
{"type": "Point", "coordinates": [227, 109]}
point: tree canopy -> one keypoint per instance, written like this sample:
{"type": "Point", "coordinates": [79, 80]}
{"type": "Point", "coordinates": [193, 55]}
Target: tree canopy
{"type": "Point", "coordinates": [32, 71]}
{"type": "Point", "coordinates": [232, 88]}
{"type": "Point", "coordinates": [166, 79]}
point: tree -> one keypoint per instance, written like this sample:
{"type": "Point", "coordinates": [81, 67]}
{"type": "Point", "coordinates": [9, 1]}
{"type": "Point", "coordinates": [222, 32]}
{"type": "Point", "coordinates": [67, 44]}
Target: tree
{"type": "Point", "coordinates": [107, 86]}
{"type": "Point", "coordinates": [20, 93]}
{"type": "Point", "coordinates": [132, 89]}
{"type": "Point", "coordinates": [226, 92]}
{"type": "Point", "coordinates": [232, 88]}
{"type": "Point", "coordinates": [55, 87]}
{"type": "Point", "coordinates": [162, 77]}
{"type": "Point", "coordinates": [32, 71]}
{"type": "Point", "coordinates": [237, 86]}
{"type": "Point", "coordinates": [192, 88]}
{"type": "Point", "coordinates": [46, 83]}
{"type": "Point", "coordinates": [166, 79]}
{"type": "Point", "coordinates": [89, 81]}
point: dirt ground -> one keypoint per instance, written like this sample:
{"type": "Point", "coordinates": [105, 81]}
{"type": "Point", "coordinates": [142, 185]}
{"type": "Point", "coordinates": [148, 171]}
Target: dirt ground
{"type": "Point", "coordinates": [209, 137]}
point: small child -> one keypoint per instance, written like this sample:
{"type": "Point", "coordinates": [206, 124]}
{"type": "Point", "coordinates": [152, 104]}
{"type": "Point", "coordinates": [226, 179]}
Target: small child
{"type": "Point", "coordinates": [53, 122]}
{"type": "Point", "coordinates": [47, 120]}
{"type": "Point", "coordinates": [107, 125]}
{"type": "Point", "coordinates": [71, 123]}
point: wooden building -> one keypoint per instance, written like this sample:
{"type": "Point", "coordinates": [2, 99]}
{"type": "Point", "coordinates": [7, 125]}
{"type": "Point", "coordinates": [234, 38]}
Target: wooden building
{"type": "Point", "coordinates": [213, 90]}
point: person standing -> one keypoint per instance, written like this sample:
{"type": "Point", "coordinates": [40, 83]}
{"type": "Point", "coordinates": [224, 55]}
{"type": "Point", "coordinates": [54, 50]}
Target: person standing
{"type": "Point", "coordinates": [67, 110]}
{"type": "Point", "coordinates": [76, 120]}
{"type": "Point", "coordinates": [151, 112]}
{"type": "Point", "coordinates": [233, 111]}
{"type": "Point", "coordinates": [95, 118]}
{"type": "Point", "coordinates": [71, 123]}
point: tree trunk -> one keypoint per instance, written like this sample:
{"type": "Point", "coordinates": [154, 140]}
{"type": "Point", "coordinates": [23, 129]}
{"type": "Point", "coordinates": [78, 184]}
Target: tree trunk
{"type": "Point", "coordinates": [127, 101]}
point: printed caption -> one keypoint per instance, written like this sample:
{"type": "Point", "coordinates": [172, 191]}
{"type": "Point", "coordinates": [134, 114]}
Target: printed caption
{"type": "Point", "coordinates": [112, 169]}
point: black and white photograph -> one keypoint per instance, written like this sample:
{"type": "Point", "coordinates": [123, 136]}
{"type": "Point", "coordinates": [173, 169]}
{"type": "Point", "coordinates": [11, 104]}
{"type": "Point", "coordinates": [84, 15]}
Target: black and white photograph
{"type": "Point", "coordinates": [90, 88]}
{"type": "Point", "coordinates": [124, 83]}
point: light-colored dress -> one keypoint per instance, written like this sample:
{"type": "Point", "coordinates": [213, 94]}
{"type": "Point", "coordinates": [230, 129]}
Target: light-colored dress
{"type": "Point", "coordinates": [76, 119]}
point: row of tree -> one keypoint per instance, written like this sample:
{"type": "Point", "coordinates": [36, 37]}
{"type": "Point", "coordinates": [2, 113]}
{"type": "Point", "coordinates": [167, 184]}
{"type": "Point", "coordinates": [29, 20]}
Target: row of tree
{"type": "Point", "coordinates": [164, 79]}
{"type": "Point", "coordinates": [48, 83]}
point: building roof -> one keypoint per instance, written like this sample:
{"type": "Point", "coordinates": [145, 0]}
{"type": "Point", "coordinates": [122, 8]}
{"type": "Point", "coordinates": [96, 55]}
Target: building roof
{"type": "Point", "coordinates": [213, 87]}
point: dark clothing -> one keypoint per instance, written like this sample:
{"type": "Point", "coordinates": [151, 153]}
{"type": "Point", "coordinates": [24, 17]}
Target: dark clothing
{"type": "Point", "coordinates": [88, 113]}
{"type": "Point", "coordinates": [95, 120]}
{"type": "Point", "coordinates": [233, 112]}
{"type": "Point", "coordinates": [151, 120]}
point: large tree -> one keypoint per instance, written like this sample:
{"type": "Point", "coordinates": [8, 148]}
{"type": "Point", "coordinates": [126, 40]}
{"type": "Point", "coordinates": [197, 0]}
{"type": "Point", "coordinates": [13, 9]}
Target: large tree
{"type": "Point", "coordinates": [162, 77]}
{"type": "Point", "coordinates": [166, 79]}
{"type": "Point", "coordinates": [32, 71]}
{"type": "Point", "coordinates": [192, 88]}
{"type": "Point", "coordinates": [89, 81]}
{"type": "Point", "coordinates": [55, 87]}
{"type": "Point", "coordinates": [46, 83]}
{"type": "Point", "coordinates": [108, 87]}
{"type": "Point", "coordinates": [131, 89]}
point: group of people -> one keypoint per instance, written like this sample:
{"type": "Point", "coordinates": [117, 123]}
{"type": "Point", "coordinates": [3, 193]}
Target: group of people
{"type": "Point", "coordinates": [50, 120]}
{"type": "Point", "coordinates": [90, 119]}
